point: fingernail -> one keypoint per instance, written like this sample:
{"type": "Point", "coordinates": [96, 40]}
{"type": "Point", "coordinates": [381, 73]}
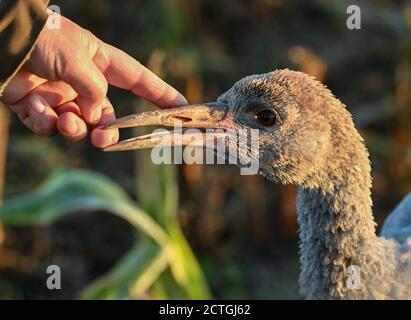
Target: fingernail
{"type": "Point", "coordinates": [74, 128]}
{"type": "Point", "coordinates": [71, 129]}
{"type": "Point", "coordinates": [181, 100]}
{"type": "Point", "coordinates": [95, 118]}
{"type": "Point", "coordinates": [37, 104]}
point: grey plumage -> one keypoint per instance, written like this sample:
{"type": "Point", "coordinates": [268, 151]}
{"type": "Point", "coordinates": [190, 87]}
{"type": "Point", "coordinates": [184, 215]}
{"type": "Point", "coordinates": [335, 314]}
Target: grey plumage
{"type": "Point", "coordinates": [314, 145]}
{"type": "Point", "coordinates": [398, 224]}
{"type": "Point", "coordinates": [317, 147]}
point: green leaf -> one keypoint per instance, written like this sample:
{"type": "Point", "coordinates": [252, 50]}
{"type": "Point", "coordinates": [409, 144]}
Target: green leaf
{"type": "Point", "coordinates": [76, 190]}
{"type": "Point", "coordinates": [116, 284]}
{"type": "Point", "coordinates": [139, 274]}
{"type": "Point", "coordinates": [162, 203]}
{"type": "Point", "coordinates": [150, 274]}
{"type": "Point", "coordinates": [186, 269]}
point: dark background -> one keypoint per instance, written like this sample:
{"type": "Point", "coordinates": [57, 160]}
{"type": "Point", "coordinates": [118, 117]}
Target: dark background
{"type": "Point", "coordinates": [242, 229]}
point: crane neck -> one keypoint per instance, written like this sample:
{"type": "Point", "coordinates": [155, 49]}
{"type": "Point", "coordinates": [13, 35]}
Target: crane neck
{"type": "Point", "coordinates": [337, 228]}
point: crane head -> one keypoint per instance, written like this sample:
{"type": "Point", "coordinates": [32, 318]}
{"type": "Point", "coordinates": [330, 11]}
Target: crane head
{"type": "Point", "coordinates": [293, 114]}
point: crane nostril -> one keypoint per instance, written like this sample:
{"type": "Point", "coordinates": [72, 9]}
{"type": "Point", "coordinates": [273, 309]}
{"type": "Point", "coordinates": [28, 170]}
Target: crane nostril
{"type": "Point", "coordinates": [182, 119]}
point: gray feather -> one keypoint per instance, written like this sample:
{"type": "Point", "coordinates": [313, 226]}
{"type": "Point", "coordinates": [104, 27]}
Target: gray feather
{"type": "Point", "coordinates": [397, 226]}
{"type": "Point", "coordinates": [316, 146]}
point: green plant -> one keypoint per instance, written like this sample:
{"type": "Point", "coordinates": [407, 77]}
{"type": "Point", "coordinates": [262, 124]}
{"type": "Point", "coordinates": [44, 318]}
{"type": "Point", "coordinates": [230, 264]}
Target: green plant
{"type": "Point", "coordinates": [161, 265]}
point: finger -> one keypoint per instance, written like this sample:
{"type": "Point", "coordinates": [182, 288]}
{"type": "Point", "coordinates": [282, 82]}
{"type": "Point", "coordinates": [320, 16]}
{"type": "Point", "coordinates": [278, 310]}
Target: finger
{"type": "Point", "coordinates": [122, 71]}
{"type": "Point", "coordinates": [70, 106]}
{"type": "Point", "coordinates": [41, 117]}
{"type": "Point", "coordinates": [54, 93]}
{"type": "Point", "coordinates": [69, 124]}
{"type": "Point", "coordinates": [89, 83]}
{"type": "Point", "coordinates": [20, 85]}
{"type": "Point", "coordinates": [101, 137]}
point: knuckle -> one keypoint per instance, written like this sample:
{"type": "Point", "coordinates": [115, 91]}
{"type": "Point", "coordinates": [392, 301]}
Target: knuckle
{"type": "Point", "coordinates": [88, 36]}
{"type": "Point", "coordinates": [64, 66]}
{"type": "Point", "coordinates": [20, 111]}
{"type": "Point", "coordinates": [100, 90]}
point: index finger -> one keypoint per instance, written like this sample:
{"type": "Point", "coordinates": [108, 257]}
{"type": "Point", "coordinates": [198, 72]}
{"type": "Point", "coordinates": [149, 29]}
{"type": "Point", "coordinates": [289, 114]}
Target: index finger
{"type": "Point", "coordinates": [123, 71]}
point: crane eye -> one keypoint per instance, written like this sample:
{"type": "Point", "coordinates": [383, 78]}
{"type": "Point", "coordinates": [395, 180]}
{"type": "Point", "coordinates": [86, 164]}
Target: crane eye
{"type": "Point", "coordinates": [267, 118]}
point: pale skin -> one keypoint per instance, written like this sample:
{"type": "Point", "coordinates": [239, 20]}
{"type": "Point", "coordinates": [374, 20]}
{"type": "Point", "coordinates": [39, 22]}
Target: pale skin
{"type": "Point", "coordinates": [63, 86]}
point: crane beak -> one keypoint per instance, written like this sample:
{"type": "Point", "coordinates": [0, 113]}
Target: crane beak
{"type": "Point", "coordinates": [203, 117]}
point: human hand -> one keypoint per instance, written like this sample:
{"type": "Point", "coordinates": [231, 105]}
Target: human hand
{"type": "Point", "coordinates": [63, 85]}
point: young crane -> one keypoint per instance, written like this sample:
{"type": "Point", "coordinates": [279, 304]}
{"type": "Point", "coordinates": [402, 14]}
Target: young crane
{"type": "Point", "coordinates": [307, 137]}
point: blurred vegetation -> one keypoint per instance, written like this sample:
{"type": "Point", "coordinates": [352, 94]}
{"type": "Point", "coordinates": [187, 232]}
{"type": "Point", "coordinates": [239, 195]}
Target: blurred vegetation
{"type": "Point", "coordinates": [162, 248]}
{"type": "Point", "coordinates": [242, 229]}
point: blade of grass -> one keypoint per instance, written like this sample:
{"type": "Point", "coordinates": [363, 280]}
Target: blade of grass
{"type": "Point", "coordinates": [151, 274]}
{"type": "Point", "coordinates": [116, 283]}
{"type": "Point", "coordinates": [73, 191]}
{"type": "Point", "coordinates": [185, 267]}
